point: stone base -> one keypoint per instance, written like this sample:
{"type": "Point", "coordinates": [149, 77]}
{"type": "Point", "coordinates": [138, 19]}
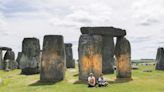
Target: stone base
{"type": "Point", "coordinates": [30, 71]}
{"type": "Point", "coordinates": [111, 71]}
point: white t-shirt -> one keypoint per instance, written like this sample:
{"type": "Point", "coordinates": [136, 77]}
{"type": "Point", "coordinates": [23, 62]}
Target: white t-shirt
{"type": "Point", "coordinates": [91, 80]}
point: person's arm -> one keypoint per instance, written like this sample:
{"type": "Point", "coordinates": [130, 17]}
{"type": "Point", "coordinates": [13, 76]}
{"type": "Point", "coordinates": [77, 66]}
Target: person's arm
{"type": "Point", "coordinates": [88, 80]}
{"type": "Point", "coordinates": [94, 82]}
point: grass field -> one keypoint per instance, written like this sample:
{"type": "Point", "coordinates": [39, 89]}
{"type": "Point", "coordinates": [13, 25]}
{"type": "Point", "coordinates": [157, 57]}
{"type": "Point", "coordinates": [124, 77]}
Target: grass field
{"type": "Point", "coordinates": [142, 82]}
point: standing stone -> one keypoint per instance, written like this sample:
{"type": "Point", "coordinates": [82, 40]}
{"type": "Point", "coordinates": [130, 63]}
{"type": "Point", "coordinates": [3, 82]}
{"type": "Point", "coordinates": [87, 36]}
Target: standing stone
{"type": "Point", "coordinates": [108, 55]}
{"type": "Point", "coordinates": [123, 58]}
{"type": "Point", "coordinates": [18, 59]}
{"type": "Point", "coordinates": [9, 60]}
{"type": "Point", "coordinates": [90, 56]}
{"type": "Point", "coordinates": [70, 63]}
{"type": "Point", "coordinates": [53, 59]}
{"type": "Point", "coordinates": [30, 57]}
{"type": "Point", "coordinates": [107, 34]}
{"type": "Point", "coordinates": [160, 59]}
{"type": "Point", "coordinates": [1, 60]}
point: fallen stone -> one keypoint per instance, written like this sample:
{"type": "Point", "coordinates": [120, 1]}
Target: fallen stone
{"type": "Point", "coordinates": [147, 70]}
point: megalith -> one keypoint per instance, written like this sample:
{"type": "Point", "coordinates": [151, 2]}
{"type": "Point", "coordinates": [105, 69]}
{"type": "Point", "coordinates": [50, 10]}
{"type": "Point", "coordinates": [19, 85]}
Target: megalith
{"type": "Point", "coordinates": [9, 59]}
{"type": "Point", "coordinates": [107, 34]}
{"type": "Point", "coordinates": [123, 58]}
{"type": "Point", "coordinates": [90, 55]}
{"type": "Point", "coordinates": [30, 56]}
{"type": "Point", "coordinates": [1, 60]}
{"type": "Point", "coordinates": [160, 59]}
{"type": "Point", "coordinates": [70, 63]}
{"type": "Point", "coordinates": [2, 63]}
{"type": "Point", "coordinates": [108, 55]}
{"type": "Point", "coordinates": [18, 59]}
{"type": "Point", "coordinates": [53, 59]}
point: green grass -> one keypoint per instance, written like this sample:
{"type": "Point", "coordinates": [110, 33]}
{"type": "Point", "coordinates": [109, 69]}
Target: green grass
{"type": "Point", "coordinates": [142, 82]}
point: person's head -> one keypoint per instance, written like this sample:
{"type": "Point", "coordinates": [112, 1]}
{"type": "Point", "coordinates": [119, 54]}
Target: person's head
{"type": "Point", "coordinates": [90, 74]}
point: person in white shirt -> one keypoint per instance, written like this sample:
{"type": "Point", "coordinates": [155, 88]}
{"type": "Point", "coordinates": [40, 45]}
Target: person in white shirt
{"type": "Point", "coordinates": [101, 81]}
{"type": "Point", "coordinates": [91, 80]}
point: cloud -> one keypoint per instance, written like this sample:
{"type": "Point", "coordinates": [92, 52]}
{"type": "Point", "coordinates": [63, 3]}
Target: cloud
{"type": "Point", "coordinates": [148, 12]}
{"type": "Point", "coordinates": [84, 15]}
{"type": "Point", "coordinates": [36, 18]}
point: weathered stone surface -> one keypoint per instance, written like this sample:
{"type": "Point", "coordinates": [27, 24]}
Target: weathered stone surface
{"type": "Point", "coordinates": [90, 56]}
{"type": "Point", "coordinates": [30, 57]}
{"type": "Point", "coordinates": [160, 59]}
{"type": "Point", "coordinates": [108, 55]}
{"type": "Point", "coordinates": [110, 31]}
{"type": "Point", "coordinates": [9, 60]}
{"type": "Point", "coordinates": [123, 58]}
{"type": "Point", "coordinates": [18, 59]}
{"type": "Point", "coordinates": [53, 59]}
{"type": "Point", "coordinates": [70, 63]}
{"type": "Point", "coordinates": [1, 58]}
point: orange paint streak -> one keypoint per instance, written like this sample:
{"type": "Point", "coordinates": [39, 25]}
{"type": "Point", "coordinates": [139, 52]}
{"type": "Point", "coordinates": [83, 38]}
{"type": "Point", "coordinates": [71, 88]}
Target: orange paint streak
{"type": "Point", "coordinates": [123, 63]}
{"type": "Point", "coordinates": [85, 63]}
{"type": "Point", "coordinates": [97, 62]}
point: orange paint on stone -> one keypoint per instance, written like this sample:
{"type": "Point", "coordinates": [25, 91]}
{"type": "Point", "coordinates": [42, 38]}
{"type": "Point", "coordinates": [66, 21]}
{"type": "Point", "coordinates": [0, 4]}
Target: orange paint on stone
{"type": "Point", "coordinates": [85, 63]}
{"type": "Point", "coordinates": [97, 62]}
{"type": "Point", "coordinates": [55, 56]}
{"type": "Point", "coordinates": [123, 64]}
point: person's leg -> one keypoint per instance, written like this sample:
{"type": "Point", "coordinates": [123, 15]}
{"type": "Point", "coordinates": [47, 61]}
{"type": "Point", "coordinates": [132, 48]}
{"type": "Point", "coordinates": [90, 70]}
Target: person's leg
{"type": "Point", "coordinates": [90, 85]}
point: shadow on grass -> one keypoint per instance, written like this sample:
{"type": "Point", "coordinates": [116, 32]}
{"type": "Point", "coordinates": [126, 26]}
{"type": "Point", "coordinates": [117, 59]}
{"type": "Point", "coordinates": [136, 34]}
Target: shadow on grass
{"type": "Point", "coordinates": [116, 81]}
{"type": "Point", "coordinates": [80, 82]}
{"type": "Point", "coordinates": [121, 80]}
{"type": "Point", "coordinates": [75, 75]}
{"type": "Point", "coordinates": [44, 83]}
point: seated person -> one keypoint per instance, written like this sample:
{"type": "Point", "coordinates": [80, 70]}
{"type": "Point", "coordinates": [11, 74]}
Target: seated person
{"type": "Point", "coordinates": [91, 80]}
{"type": "Point", "coordinates": [101, 81]}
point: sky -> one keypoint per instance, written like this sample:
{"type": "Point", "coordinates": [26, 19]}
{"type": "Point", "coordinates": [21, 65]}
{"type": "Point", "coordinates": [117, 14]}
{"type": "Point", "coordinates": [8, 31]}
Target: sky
{"type": "Point", "coordinates": [142, 19]}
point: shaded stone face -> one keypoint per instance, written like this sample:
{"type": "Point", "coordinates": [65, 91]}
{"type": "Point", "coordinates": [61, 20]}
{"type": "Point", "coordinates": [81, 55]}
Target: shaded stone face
{"type": "Point", "coordinates": [1, 60]}
{"type": "Point", "coordinates": [70, 63]}
{"type": "Point", "coordinates": [18, 59]}
{"type": "Point", "coordinates": [123, 58]}
{"type": "Point", "coordinates": [53, 59]}
{"type": "Point", "coordinates": [160, 59]}
{"type": "Point", "coordinates": [109, 31]}
{"type": "Point", "coordinates": [108, 55]}
{"type": "Point", "coordinates": [2, 65]}
{"type": "Point", "coordinates": [30, 56]}
{"type": "Point", "coordinates": [90, 56]}
{"type": "Point", "coordinates": [9, 60]}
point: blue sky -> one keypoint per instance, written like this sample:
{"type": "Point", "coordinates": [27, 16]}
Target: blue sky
{"type": "Point", "coordinates": [143, 20]}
